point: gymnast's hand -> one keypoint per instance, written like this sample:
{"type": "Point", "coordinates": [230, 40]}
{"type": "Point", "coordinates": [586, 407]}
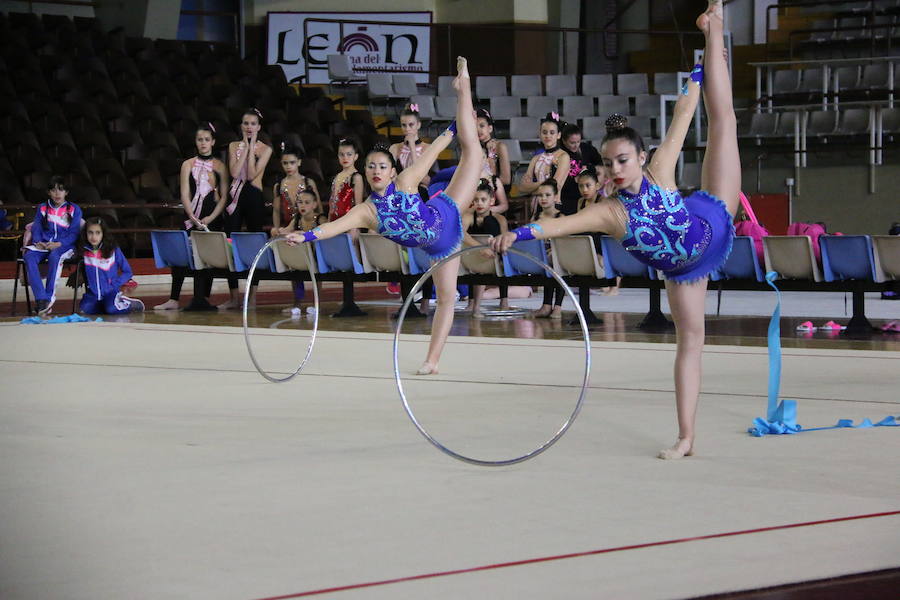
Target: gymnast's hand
{"type": "Point", "coordinates": [293, 239]}
{"type": "Point", "coordinates": [501, 243]}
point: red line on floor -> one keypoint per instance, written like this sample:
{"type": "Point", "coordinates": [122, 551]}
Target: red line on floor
{"type": "Point", "coordinates": [529, 561]}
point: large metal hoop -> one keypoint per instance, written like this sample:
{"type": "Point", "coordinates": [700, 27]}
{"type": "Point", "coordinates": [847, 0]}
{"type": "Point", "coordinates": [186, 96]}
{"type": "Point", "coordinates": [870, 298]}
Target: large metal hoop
{"type": "Point", "coordinates": [315, 328]}
{"type": "Point", "coordinates": [584, 384]}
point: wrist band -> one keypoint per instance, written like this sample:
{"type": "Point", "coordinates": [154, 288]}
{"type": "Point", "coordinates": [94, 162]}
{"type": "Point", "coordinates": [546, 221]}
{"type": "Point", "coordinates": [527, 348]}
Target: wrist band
{"type": "Point", "coordinates": [451, 128]}
{"type": "Point", "coordinates": [312, 234]}
{"type": "Point", "coordinates": [696, 76]}
{"type": "Point", "coordinates": [526, 232]}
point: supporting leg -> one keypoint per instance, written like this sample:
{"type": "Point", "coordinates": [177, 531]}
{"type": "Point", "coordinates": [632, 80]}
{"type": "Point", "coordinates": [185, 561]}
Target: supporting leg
{"type": "Point", "coordinates": [445, 285]}
{"type": "Point", "coordinates": [687, 302]}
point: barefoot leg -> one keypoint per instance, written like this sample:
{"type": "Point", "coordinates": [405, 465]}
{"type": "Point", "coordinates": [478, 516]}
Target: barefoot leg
{"type": "Point", "coordinates": [445, 288]}
{"type": "Point", "coordinates": [687, 303]}
{"type": "Point", "coordinates": [722, 163]}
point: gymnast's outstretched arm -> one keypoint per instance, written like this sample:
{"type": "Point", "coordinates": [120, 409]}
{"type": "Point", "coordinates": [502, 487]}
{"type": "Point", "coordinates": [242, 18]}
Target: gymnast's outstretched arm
{"type": "Point", "coordinates": [361, 215]}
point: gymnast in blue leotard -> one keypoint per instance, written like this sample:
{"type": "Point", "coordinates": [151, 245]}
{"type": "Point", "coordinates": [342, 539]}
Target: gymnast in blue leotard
{"type": "Point", "coordinates": [687, 238]}
{"type": "Point", "coordinates": [396, 210]}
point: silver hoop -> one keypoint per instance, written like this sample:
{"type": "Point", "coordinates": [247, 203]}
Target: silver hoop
{"type": "Point", "coordinates": [315, 328]}
{"type": "Point", "coordinates": [587, 364]}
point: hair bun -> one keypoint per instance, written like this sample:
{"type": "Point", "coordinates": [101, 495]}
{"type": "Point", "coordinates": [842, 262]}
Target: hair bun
{"type": "Point", "coordinates": [616, 122]}
{"type": "Point", "coordinates": [380, 146]}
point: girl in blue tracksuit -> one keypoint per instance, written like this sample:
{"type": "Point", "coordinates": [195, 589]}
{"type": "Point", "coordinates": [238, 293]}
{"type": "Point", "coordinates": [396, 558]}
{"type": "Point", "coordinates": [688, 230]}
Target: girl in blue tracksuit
{"type": "Point", "coordinates": [106, 270]}
{"type": "Point", "coordinates": [54, 233]}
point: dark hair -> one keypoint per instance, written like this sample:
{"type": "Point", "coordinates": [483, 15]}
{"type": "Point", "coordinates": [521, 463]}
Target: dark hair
{"type": "Point", "coordinates": [482, 113]}
{"type": "Point", "coordinates": [349, 142]}
{"type": "Point", "coordinates": [295, 150]}
{"type": "Point", "coordinates": [588, 171]}
{"type": "Point", "coordinates": [552, 118]}
{"type": "Point", "coordinates": [381, 148]}
{"type": "Point", "coordinates": [56, 180]}
{"type": "Point", "coordinates": [207, 126]}
{"type": "Point", "coordinates": [550, 181]}
{"type": "Point", "coordinates": [409, 112]}
{"type": "Point", "coordinates": [485, 185]}
{"type": "Point", "coordinates": [617, 129]}
{"type": "Point", "coordinates": [255, 112]}
{"type": "Point", "coordinates": [571, 129]}
{"type": "Point", "coordinates": [108, 244]}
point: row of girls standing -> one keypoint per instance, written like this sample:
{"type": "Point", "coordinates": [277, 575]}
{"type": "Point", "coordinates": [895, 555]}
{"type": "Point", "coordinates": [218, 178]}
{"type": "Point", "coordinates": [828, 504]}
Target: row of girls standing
{"type": "Point", "coordinates": [210, 203]}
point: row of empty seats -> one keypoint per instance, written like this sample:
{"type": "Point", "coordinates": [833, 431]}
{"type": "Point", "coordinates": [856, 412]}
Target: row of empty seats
{"type": "Point", "coordinates": [810, 84]}
{"type": "Point", "coordinates": [819, 123]}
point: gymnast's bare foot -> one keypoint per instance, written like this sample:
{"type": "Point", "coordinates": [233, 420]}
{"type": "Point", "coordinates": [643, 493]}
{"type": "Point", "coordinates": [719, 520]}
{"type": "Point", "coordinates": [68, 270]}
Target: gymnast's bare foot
{"type": "Point", "coordinates": [462, 69]}
{"type": "Point", "coordinates": [683, 447]}
{"type": "Point", "coordinates": [427, 369]}
{"type": "Point", "coordinates": [713, 13]}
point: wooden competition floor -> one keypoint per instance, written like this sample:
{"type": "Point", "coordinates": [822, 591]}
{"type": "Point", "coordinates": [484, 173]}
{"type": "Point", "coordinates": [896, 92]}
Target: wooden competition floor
{"type": "Point", "coordinates": [149, 459]}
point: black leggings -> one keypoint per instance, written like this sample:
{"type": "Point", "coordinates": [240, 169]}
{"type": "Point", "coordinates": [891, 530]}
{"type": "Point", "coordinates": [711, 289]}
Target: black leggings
{"type": "Point", "coordinates": [179, 273]}
{"type": "Point", "coordinates": [553, 289]}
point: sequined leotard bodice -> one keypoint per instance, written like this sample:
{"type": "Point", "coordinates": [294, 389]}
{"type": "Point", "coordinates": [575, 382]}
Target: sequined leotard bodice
{"type": "Point", "coordinates": [434, 226]}
{"type": "Point", "coordinates": [405, 219]}
{"type": "Point", "coordinates": [660, 230]}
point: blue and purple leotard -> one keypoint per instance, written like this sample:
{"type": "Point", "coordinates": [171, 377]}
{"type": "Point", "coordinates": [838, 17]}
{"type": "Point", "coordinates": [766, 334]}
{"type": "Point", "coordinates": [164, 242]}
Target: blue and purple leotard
{"type": "Point", "coordinates": [434, 226]}
{"type": "Point", "coordinates": [685, 238]}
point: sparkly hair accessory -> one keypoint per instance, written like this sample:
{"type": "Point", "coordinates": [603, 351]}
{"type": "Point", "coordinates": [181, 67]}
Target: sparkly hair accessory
{"type": "Point", "coordinates": [414, 107]}
{"type": "Point", "coordinates": [211, 126]}
{"type": "Point", "coordinates": [258, 114]}
{"type": "Point", "coordinates": [555, 115]}
{"type": "Point", "coordinates": [616, 122]}
{"type": "Point", "coordinates": [282, 147]}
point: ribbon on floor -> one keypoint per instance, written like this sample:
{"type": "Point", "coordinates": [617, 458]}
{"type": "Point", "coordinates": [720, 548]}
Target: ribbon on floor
{"type": "Point", "coordinates": [781, 417]}
{"type": "Point", "coordinates": [67, 319]}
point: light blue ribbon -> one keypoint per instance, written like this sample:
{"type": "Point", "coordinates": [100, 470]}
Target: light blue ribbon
{"type": "Point", "coordinates": [68, 319]}
{"type": "Point", "coordinates": [781, 417]}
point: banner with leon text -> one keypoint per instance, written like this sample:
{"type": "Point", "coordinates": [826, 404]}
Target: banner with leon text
{"type": "Point", "coordinates": [371, 46]}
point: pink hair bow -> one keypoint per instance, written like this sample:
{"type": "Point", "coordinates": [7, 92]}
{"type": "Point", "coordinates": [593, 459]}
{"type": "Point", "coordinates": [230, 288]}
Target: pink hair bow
{"type": "Point", "coordinates": [555, 116]}
{"type": "Point", "coordinates": [414, 107]}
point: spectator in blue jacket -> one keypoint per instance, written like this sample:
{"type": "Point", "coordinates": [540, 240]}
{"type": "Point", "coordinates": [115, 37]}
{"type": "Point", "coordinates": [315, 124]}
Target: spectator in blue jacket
{"type": "Point", "coordinates": [105, 272]}
{"type": "Point", "coordinates": [54, 232]}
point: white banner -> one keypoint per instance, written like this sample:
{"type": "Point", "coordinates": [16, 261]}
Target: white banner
{"type": "Point", "coordinates": [371, 47]}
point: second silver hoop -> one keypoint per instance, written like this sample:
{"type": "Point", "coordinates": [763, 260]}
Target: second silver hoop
{"type": "Point", "coordinates": [315, 328]}
{"type": "Point", "coordinates": [584, 384]}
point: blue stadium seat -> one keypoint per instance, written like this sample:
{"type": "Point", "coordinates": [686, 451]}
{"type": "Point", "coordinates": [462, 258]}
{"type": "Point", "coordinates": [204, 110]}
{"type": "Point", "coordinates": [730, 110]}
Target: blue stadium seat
{"type": "Point", "coordinates": [742, 263]}
{"type": "Point", "coordinates": [513, 264]}
{"type": "Point", "coordinates": [847, 257]}
{"type": "Point", "coordinates": [338, 255]}
{"type": "Point", "coordinates": [246, 245]}
{"type": "Point", "coordinates": [171, 249]}
{"type": "Point", "coordinates": [617, 262]}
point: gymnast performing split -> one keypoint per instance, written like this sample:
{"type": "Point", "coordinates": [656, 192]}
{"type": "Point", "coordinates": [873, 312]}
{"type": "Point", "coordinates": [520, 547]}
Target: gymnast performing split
{"type": "Point", "coordinates": [396, 210]}
{"type": "Point", "coordinates": [686, 238]}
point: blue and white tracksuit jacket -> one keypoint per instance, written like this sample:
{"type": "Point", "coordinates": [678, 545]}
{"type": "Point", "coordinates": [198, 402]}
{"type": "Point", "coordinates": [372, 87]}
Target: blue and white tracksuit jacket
{"type": "Point", "coordinates": [51, 224]}
{"type": "Point", "coordinates": [104, 277]}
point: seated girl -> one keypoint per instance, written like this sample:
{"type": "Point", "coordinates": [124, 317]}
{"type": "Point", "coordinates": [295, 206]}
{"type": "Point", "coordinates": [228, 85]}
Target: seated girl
{"type": "Point", "coordinates": [106, 271]}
